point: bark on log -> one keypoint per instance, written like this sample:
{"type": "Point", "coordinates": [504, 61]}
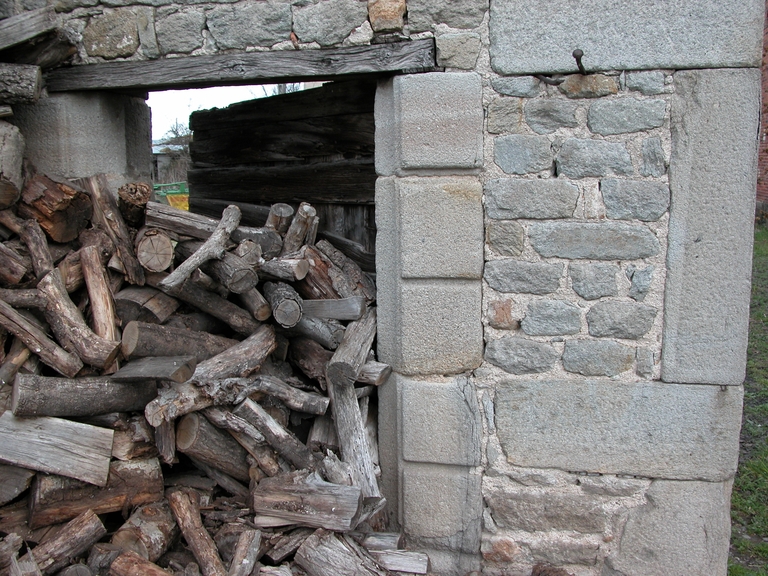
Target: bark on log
{"type": "Point", "coordinates": [132, 200]}
{"type": "Point", "coordinates": [327, 554]}
{"type": "Point", "coordinates": [136, 440]}
{"type": "Point", "coordinates": [362, 284]}
{"type": "Point", "coordinates": [12, 266]}
{"type": "Point", "coordinates": [154, 249]}
{"type": "Point", "coordinates": [246, 553]}
{"type": "Point", "coordinates": [103, 313]}
{"type": "Point", "coordinates": [311, 358]}
{"type": "Point", "coordinates": [20, 83]}
{"type": "Point", "coordinates": [351, 308]}
{"type": "Point", "coordinates": [198, 438]}
{"type": "Point", "coordinates": [13, 481]}
{"type": "Point", "coordinates": [33, 236]}
{"type": "Point", "coordinates": [297, 231]}
{"type": "Point", "coordinates": [238, 361]}
{"type": "Point", "coordinates": [149, 532]}
{"type": "Point", "coordinates": [71, 271]}
{"type": "Point", "coordinates": [199, 541]}
{"type": "Point", "coordinates": [131, 564]}
{"type": "Point", "coordinates": [327, 333]}
{"type": "Point", "coordinates": [141, 339]}
{"type": "Point", "coordinates": [285, 303]}
{"type": "Point", "coordinates": [35, 395]}
{"type": "Point", "coordinates": [352, 250]}
{"type": "Point", "coordinates": [293, 398]}
{"type": "Point", "coordinates": [174, 368]}
{"type": "Point", "coordinates": [256, 304]}
{"type": "Point", "coordinates": [144, 304]}
{"type": "Point", "coordinates": [56, 499]}
{"type": "Point", "coordinates": [17, 355]}
{"type": "Point", "coordinates": [61, 207]}
{"type": "Point", "coordinates": [165, 440]}
{"type": "Point", "coordinates": [22, 297]}
{"type": "Point", "coordinates": [101, 556]}
{"type": "Point", "coordinates": [324, 279]}
{"type": "Point", "coordinates": [279, 217]}
{"type": "Point", "coordinates": [229, 270]}
{"type": "Point", "coordinates": [374, 373]}
{"type": "Point", "coordinates": [285, 268]}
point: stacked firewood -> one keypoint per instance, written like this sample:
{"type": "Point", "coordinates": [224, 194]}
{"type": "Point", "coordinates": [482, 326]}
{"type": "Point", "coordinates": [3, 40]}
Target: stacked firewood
{"type": "Point", "coordinates": [182, 395]}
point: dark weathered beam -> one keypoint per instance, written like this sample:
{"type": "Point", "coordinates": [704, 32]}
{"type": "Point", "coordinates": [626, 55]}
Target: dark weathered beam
{"type": "Point", "coordinates": [25, 26]}
{"type": "Point", "coordinates": [248, 68]}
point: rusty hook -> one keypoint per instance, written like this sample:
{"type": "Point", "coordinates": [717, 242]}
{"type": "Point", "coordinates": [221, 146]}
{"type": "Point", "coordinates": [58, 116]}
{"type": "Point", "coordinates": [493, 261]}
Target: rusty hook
{"type": "Point", "coordinates": [578, 55]}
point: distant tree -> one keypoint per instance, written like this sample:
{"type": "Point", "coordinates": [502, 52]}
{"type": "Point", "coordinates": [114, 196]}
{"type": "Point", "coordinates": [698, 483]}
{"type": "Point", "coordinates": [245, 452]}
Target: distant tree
{"type": "Point", "coordinates": [175, 145]}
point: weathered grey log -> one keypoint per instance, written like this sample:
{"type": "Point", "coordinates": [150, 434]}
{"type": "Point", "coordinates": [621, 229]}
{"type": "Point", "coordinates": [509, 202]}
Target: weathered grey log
{"type": "Point", "coordinates": [25, 26]}
{"type": "Point", "coordinates": [322, 435]}
{"type": "Point", "coordinates": [231, 271]}
{"type": "Point", "coordinates": [351, 308]}
{"type": "Point", "coordinates": [311, 358]}
{"type": "Point", "coordinates": [328, 554]}
{"type": "Point", "coordinates": [142, 339]}
{"type": "Point", "coordinates": [362, 284]}
{"type": "Point", "coordinates": [25, 566]}
{"type": "Point", "coordinates": [13, 481]}
{"type": "Point", "coordinates": [253, 214]}
{"type": "Point", "coordinates": [178, 399]}
{"type": "Point", "coordinates": [135, 440]}
{"type": "Point", "coordinates": [199, 541]}
{"type": "Point", "coordinates": [285, 303]}
{"type": "Point", "coordinates": [12, 266]}
{"type": "Point", "coordinates": [325, 332]}
{"type": "Point", "coordinates": [311, 236]}
{"type": "Point", "coordinates": [297, 231]}
{"type": "Point", "coordinates": [285, 268]}
{"type": "Point", "coordinates": [22, 297]}
{"type": "Point", "coordinates": [165, 440]}
{"type": "Point", "coordinates": [129, 563]}
{"type": "Point", "coordinates": [55, 499]}
{"type": "Point", "coordinates": [225, 481]}
{"type": "Point", "coordinates": [5, 111]}
{"type": "Point", "coordinates": [402, 561]}
{"type": "Point", "coordinates": [253, 301]}
{"type": "Point", "coordinates": [149, 531]}
{"type": "Point", "coordinates": [33, 236]}
{"type": "Point", "coordinates": [35, 395]}
{"type": "Point", "coordinates": [154, 249]}
{"type": "Point", "coordinates": [199, 439]}
{"type": "Point", "coordinates": [250, 252]}
{"type": "Point", "coordinates": [380, 540]}
{"type": "Point", "coordinates": [56, 446]}
{"type": "Point", "coordinates": [246, 553]}
{"type": "Point", "coordinates": [292, 397]}
{"type": "Point", "coordinates": [353, 250]}
{"type": "Point", "coordinates": [17, 355]}
{"type": "Point", "coordinates": [102, 304]}
{"type": "Point", "coordinates": [20, 83]}
{"type": "Point", "coordinates": [238, 361]}
{"type": "Point", "coordinates": [9, 546]}
{"type": "Point", "coordinates": [374, 373]}
{"type": "Point", "coordinates": [283, 545]}
{"type": "Point", "coordinates": [279, 218]}
{"type": "Point", "coordinates": [174, 368]}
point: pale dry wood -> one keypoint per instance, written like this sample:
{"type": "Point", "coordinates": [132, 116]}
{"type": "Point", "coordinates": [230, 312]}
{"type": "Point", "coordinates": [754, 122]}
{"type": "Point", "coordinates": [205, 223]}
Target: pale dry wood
{"type": "Point", "coordinates": [154, 249]}
{"type": "Point", "coordinates": [20, 83]}
{"type": "Point", "coordinates": [33, 236]}
{"type": "Point", "coordinates": [325, 332]}
{"type": "Point", "coordinates": [174, 368]}
{"type": "Point", "coordinates": [297, 231]}
{"type": "Point", "coordinates": [351, 308]}
{"type": "Point", "coordinates": [5, 111]}
{"type": "Point", "coordinates": [283, 570]}
{"type": "Point", "coordinates": [129, 563]}
{"type": "Point", "coordinates": [149, 531]}
{"type": "Point", "coordinates": [25, 566]}
{"type": "Point", "coordinates": [246, 553]}
{"type": "Point", "coordinates": [71, 272]}
{"type": "Point", "coordinates": [26, 26]}
{"type": "Point", "coordinates": [178, 399]}
{"type": "Point", "coordinates": [56, 446]}
{"type": "Point", "coordinates": [13, 481]}
{"type": "Point", "coordinates": [283, 545]}
{"type": "Point", "coordinates": [238, 361]}
{"type": "Point", "coordinates": [285, 268]}
{"type": "Point", "coordinates": [142, 339]}
{"type": "Point", "coordinates": [380, 540]}
{"type": "Point", "coordinates": [250, 252]}
{"type": "Point", "coordinates": [135, 440]}
{"type": "Point", "coordinates": [187, 515]}
{"type": "Point", "coordinates": [279, 218]}
{"type": "Point", "coordinates": [17, 355]}
{"type": "Point", "coordinates": [327, 554]}
{"type": "Point", "coordinates": [374, 373]}
{"type": "Point", "coordinates": [322, 435]}
{"type": "Point", "coordinates": [35, 395]}
{"type": "Point", "coordinates": [312, 231]}
{"type": "Point", "coordinates": [199, 439]}
{"type": "Point", "coordinates": [165, 440]}
{"type": "Point", "coordinates": [253, 301]}
{"type": "Point", "coordinates": [61, 207]}
{"type": "Point", "coordinates": [231, 271]}
{"type": "Point", "coordinates": [402, 561]}
{"type": "Point", "coordinates": [294, 398]}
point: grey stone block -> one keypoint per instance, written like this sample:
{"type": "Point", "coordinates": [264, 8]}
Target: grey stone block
{"type": "Point", "coordinates": [593, 281]}
{"type": "Point", "coordinates": [613, 319]}
{"type": "Point", "coordinates": [181, 31]}
{"type": "Point", "coordinates": [505, 237]}
{"type": "Point", "coordinates": [648, 82]}
{"type": "Point", "coordinates": [597, 357]}
{"type": "Point", "coordinates": [715, 114]}
{"type": "Point", "coordinates": [520, 355]}
{"type": "Point", "coordinates": [250, 24]}
{"type": "Point", "coordinates": [590, 86]}
{"type": "Point", "coordinates": [429, 121]}
{"type": "Point", "coordinates": [505, 115]}
{"type": "Point", "coordinates": [442, 506]}
{"type": "Point", "coordinates": [425, 14]}
{"type": "Point", "coordinates": [523, 277]}
{"type": "Point", "coordinates": [547, 198]}
{"type": "Point", "coordinates": [546, 116]}
{"type": "Point", "coordinates": [593, 240]}
{"type": "Point", "coordinates": [634, 199]}
{"type": "Point", "coordinates": [582, 158]}
{"type": "Point", "coordinates": [433, 413]}
{"type": "Point", "coordinates": [458, 50]}
{"type": "Point", "coordinates": [521, 86]}
{"type": "Point", "coordinates": [520, 154]}
{"type": "Point", "coordinates": [641, 281]}
{"type": "Point", "coordinates": [654, 161]}
{"type": "Point", "coordinates": [145, 19]}
{"type": "Point", "coordinates": [11, 153]}
{"type": "Point", "coordinates": [650, 429]}
{"type": "Point", "coordinates": [551, 318]}
{"type": "Point", "coordinates": [625, 115]}
{"type": "Point", "coordinates": [329, 21]}
{"type": "Point", "coordinates": [538, 37]}
{"type": "Point", "coordinates": [645, 362]}
{"type": "Point", "coordinates": [683, 528]}
{"type": "Point", "coordinates": [114, 34]}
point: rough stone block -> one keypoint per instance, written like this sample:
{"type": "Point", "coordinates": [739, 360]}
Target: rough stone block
{"type": "Point", "coordinates": [505, 115]}
{"type": "Point", "coordinates": [546, 116]}
{"type": "Point", "coordinates": [429, 121]}
{"type": "Point", "coordinates": [582, 158]}
{"type": "Point", "coordinates": [591, 86]}
{"type": "Point", "coordinates": [114, 34]}
{"type": "Point", "coordinates": [523, 277]}
{"type": "Point", "coordinates": [433, 412]}
{"type": "Point", "coordinates": [506, 237]}
{"type": "Point", "coordinates": [715, 114]}
{"type": "Point", "coordinates": [597, 357]}
{"type": "Point", "coordinates": [442, 506]}
{"type": "Point", "coordinates": [632, 199]}
{"type": "Point", "coordinates": [520, 355]}
{"type": "Point", "coordinates": [625, 115]}
{"type": "Point", "coordinates": [551, 318]}
{"type": "Point", "coordinates": [641, 281]}
{"type": "Point", "coordinates": [648, 82]}
{"type": "Point", "coordinates": [386, 15]}
{"type": "Point", "coordinates": [11, 153]}
{"type": "Point", "coordinates": [426, 14]}
{"type": "Point", "coordinates": [181, 31]}
{"type": "Point", "coordinates": [654, 161]}
{"type": "Point", "coordinates": [452, 563]}
{"type": "Point", "coordinates": [520, 86]}
{"type": "Point", "coordinates": [500, 315]}
{"type": "Point", "coordinates": [593, 240]}
{"type": "Point", "coordinates": [593, 281]}
{"type": "Point", "coordinates": [539, 199]}
{"type": "Point", "coordinates": [458, 50]}
{"type": "Point", "coordinates": [645, 362]}
{"type": "Point", "coordinates": [145, 19]}
{"type": "Point", "coordinates": [614, 319]}
{"type": "Point", "coordinates": [327, 22]}
{"type": "Point", "coordinates": [538, 37]}
{"type": "Point", "coordinates": [684, 528]}
{"type": "Point", "coordinates": [650, 429]}
{"type": "Point", "coordinates": [521, 154]}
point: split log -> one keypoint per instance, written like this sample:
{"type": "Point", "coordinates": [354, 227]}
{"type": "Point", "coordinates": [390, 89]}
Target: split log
{"type": "Point", "coordinates": [213, 247]}
{"type": "Point", "coordinates": [141, 339]}
{"type": "Point", "coordinates": [322, 435]}
{"type": "Point", "coordinates": [351, 308]}
{"type": "Point", "coordinates": [154, 249]}
{"type": "Point", "coordinates": [101, 556]}
{"type": "Point", "coordinates": [231, 271]}
{"type": "Point", "coordinates": [327, 554]}
{"type": "Point", "coordinates": [17, 355]}
{"type": "Point", "coordinates": [165, 440]}
{"type": "Point", "coordinates": [187, 515]}
{"type": "Point", "coordinates": [285, 303]}
{"type": "Point", "coordinates": [149, 532]}
{"type": "Point", "coordinates": [199, 439]}
{"type": "Point", "coordinates": [131, 564]}
{"type": "Point", "coordinates": [56, 499]}
{"type": "Point", "coordinates": [132, 201]}
{"type": "Point", "coordinates": [361, 282]}
{"type": "Point", "coordinates": [311, 236]}
{"type": "Point", "coordinates": [279, 217]}
{"type": "Point", "coordinates": [13, 481]}
{"type": "Point", "coordinates": [33, 236]}
{"type": "Point", "coordinates": [174, 368]}
{"type": "Point", "coordinates": [325, 332]}
{"type": "Point", "coordinates": [102, 305]}
{"type": "Point", "coordinates": [238, 361]}
{"type": "Point", "coordinates": [285, 268]}
{"type": "Point", "coordinates": [73, 539]}
{"type": "Point", "coordinates": [62, 208]}
{"type": "Point", "coordinates": [71, 271]}
{"type": "Point", "coordinates": [225, 481]}
{"type": "Point", "coordinates": [12, 266]}
{"type": "Point", "coordinates": [144, 304]}
{"type": "Point", "coordinates": [9, 546]}
{"type": "Point", "coordinates": [136, 440]}
{"type": "Point", "coordinates": [25, 566]}
{"type": "Point", "coordinates": [402, 561]}
{"type": "Point", "coordinates": [324, 280]}
{"type": "Point", "coordinates": [256, 304]}
{"type": "Point", "coordinates": [56, 446]}
{"type": "Point", "coordinates": [68, 325]}
{"type": "Point", "coordinates": [35, 395]}
{"type": "Point", "coordinates": [22, 298]}
{"type": "Point", "coordinates": [283, 545]}
{"type": "Point", "coordinates": [246, 553]}
{"type": "Point", "coordinates": [107, 216]}
{"type": "Point", "coordinates": [20, 83]}
{"type": "Point", "coordinates": [297, 231]}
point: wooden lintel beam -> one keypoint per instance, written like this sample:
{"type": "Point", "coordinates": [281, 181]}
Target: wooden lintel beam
{"type": "Point", "coordinates": [25, 26]}
{"type": "Point", "coordinates": [247, 68]}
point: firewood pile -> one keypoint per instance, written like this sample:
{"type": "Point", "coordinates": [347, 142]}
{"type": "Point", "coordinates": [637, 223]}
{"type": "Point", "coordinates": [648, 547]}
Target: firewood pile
{"type": "Point", "coordinates": [181, 394]}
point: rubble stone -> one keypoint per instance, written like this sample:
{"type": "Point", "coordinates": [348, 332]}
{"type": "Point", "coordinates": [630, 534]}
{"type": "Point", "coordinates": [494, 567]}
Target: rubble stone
{"type": "Point", "coordinates": [613, 319]}
{"type": "Point", "coordinates": [582, 158]}
{"type": "Point", "coordinates": [329, 21]}
{"type": "Point", "coordinates": [500, 315]}
{"type": "Point", "coordinates": [551, 318]}
{"type": "Point", "coordinates": [537, 199]}
{"type": "Point", "coordinates": [641, 281]}
{"type": "Point", "coordinates": [520, 86]}
{"type": "Point", "coordinates": [593, 281]}
{"type": "Point", "coordinates": [597, 357]}
{"type": "Point", "coordinates": [458, 50]}
{"type": "Point", "coordinates": [593, 240]}
{"type": "Point", "coordinates": [648, 82]}
{"type": "Point", "coordinates": [546, 116]}
{"type": "Point", "coordinates": [644, 362]}
{"type": "Point", "coordinates": [505, 115]}
{"type": "Point", "coordinates": [521, 154]}
{"type": "Point", "coordinates": [634, 199]}
{"type": "Point", "coordinates": [654, 163]}
{"type": "Point", "coordinates": [505, 237]}
{"type": "Point", "coordinates": [386, 15]}
{"type": "Point", "coordinates": [591, 86]}
{"type": "Point", "coordinates": [425, 15]}
{"type": "Point", "coordinates": [625, 115]}
{"type": "Point", "coordinates": [523, 277]}
{"type": "Point", "coordinates": [114, 34]}
{"type": "Point", "coordinates": [520, 355]}
{"type": "Point", "coordinates": [180, 31]}
{"type": "Point", "coordinates": [250, 24]}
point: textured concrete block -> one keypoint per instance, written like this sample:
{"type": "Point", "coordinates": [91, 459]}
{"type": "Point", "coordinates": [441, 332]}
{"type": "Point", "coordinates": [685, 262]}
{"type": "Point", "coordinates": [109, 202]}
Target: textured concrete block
{"type": "Point", "coordinates": [458, 50]}
{"type": "Point", "coordinates": [630, 199]}
{"type": "Point", "coordinates": [181, 31]}
{"type": "Point", "coordinates": [581, 158]}
{"type": "Point", "coordinates": [442, 506]}
{"type": "Point", "coordinates": [715, 115]}
{"type": "Point", "coordinates": [648, 82]}
{"type": "Point", "coordinates": [539, 36]}
{"type": "Point", "coordinates": [551, 318]}
{"type": "Point", "coordinates": [426, 14]}
{"type": "Point", "coordinates": [506, 237]}
{"type": "Point", "coordinates": [522, 154]}
{"type": "Point", "coordinates": [614, 319]}
{"type": "Point", "coordinates": [676, 432]}
{"type": "Point", "coordinates": [520, 355]}
{"type": "Point", "coordinates": [329, 21]}
{"type": "Point", "coordinates": [521, 86]}
{"type": "Point", "coordinates": [505, 115]}
{"type": "Point", "coordinates": [441, 421]}
{"type": "Point", "coordinates": [546, 116]}
{"type": "Point", "coordinates": [597, 357]}
{"type": "Point", "coordinates": [593, 240]}
{"type": "Point", "coordinates": [513, 198]}
{"type": "Point", "coordinates": [625, 115]}
{"type": "Point", "coordinates": [684, 528]}
{"type": "Point", "coordinates": [429, 121]}
{"type": "Point", "coordinates": [593, 281]}
{"type": "Point", "coordinates": [523, 277]}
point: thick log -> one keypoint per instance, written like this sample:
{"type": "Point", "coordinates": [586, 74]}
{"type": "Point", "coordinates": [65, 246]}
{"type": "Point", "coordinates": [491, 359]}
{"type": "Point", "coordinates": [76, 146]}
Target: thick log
{"type": "Point", "coordinates": [33, 236]}
{"type": "Point", "coordinates": [285, 303]}
{"type": "Point", "coordinates": [238, 361]}
{"type": "Point", "coordinates": [25, 26]}
{"type": "Point", "coordinates": [132, 200]}
{"type": "Point", "coordinates": [35, 395]}
{"type": "Point", "coordinates": [280, 216]}
{"type": "Point", "coordinates": [249, 251]}
{"type": "Point", "coordinates": [101, 556]}
{"type": "Point", "coordinates": [68, 325]}
{"type": "Point", "coordinates": [324, 280]}
{"type": "Point", "coordinates": [285, 268]}
{"type": "Point", "coordinates": [17, 355]}
{"type": "Point", "coordinates": [13, 481]}
{"type": "Point", "coordinates": [61, 207]}
{"type": "Point", "coordinates": [311, 358]}
{"type": "Point", "coordinates": [199, 439]}
{"type": "Point", "coordinates": [165, 440]}
{"type": "Point", "coordinates": [253, 214]}
{"type": "Point", "coordinates": [107, 216]}
{"type": "Point", "coordinates": [56, 499]}
{"type": "Point", "coordinates": [322, 435]}
{"type": "Point", "coordinates": [76, 570]}
{"type": "Point", "coordinates": [141, 339]}
{"type": "Point", "coordinates": [326, 333]}
{"type": "Point", "coordinates": [154, 249]}
{"type": "Point", "coordinates": [174, 368]}
{"type": "Point", "coordinates": [351, 308]}
{"type": "Point", "coordinates": [256, 304]}
{"type": "Point", "coordinates": [149, 532]}
{"type": "Point", "coordinates": [246, 553]}
{"type": "Point", "coordinates": [131, 564]}
{"type": "Point", "coordinates": [22, 298]}
{"type": "Point", "coordinates": [12, 266]}
{"type": "Point", "coordinates": [187, 515]}
{"type": "Point", "coordinates": [144, 304]}
{"type": "Point", "coordinates": [327, 554]}
{"type": "Point", "coordinates": [136, 440]}
{"type": "Point", "coordinates": [297, 231]}
{"type": "Point", "coordinates": [229, 270]}
{"type": "Point", "coordinates": [74, 539]}
{"type": "Point", "coordinates": [20, 83]}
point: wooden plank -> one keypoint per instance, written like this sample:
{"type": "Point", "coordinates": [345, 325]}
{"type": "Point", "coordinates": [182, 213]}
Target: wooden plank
{"type": "Point", "coordinates": [248, 68]}
{"type": "Point", "coordinates": [56, 446]}
{"type": "Point", "coordinates": [25, 26]}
